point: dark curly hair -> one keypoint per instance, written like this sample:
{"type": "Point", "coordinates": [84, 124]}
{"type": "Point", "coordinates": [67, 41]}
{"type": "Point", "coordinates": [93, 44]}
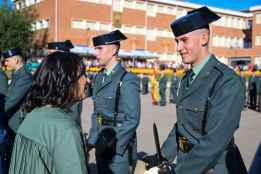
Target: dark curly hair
{"type": "Point", "coordinates": [56, 82]}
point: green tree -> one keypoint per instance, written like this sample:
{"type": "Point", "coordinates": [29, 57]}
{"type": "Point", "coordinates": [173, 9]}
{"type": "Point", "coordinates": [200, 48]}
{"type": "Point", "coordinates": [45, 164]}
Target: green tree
{"type": "Point", "coordinates": [15, 28]}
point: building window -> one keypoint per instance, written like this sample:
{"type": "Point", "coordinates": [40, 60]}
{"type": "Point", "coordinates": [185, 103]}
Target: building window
{"type": "Point", "coordinates": [151, 10]}
{"type": "Point", "coordinates": [240, 43]}
{"type": "Point", "coordinates": [78, 24]}
{"type": "Point", "coordinates": [229, 22]}
{"type": "Point", "coordinates": [224, 22]}
{"type": "Point", "coordinates": [140, 30]}
{"type": "Point", "coordinates": [105, 27]}
{"type": "Point", "coordinates": [234, 43]}
{"type": "Point", "coordinates": [258, 40]}
{"type": "Point", "coordinates": [118, 5]}
{"type": "Point", "coordinates": [140, 5]}
{"type": "Point", "coordinates": [258, 18]}
{"type": "Point", "coordinates": [234, 22]}
{"type": "Point", "coordinates": [214, 40]}
{"type": "Point", "coordinates": [161, 9]}
{"type": "Point", "coordinates": [244, 25]}
{"type": "Point", "coordinates": [160, 32]}
{"type": "Point", "coordinates": [93, 1]}
{"type": "Point", "coordinates": [241, 24]}
{"type": "Point", "coordinates": [107, 2]}
{"type": "Point", "coordinates": [181, 12]}
{"type": "Point", "coordinates": [129, 4]}
{"type": "Point", "coordinates": [227, 42]}
{"type": "Point", "coordinates": [129, 29]}
{"type": "Point", "coordinates": [258, 61]}
{"type": "Point", "coordinates": [93, 25]}
{"type": "Point", "coordinates": [222, 41]}
{"type": "Point", "coordinates": [170, 10]}
{"type": "Point", "coordinates": [151, 34]}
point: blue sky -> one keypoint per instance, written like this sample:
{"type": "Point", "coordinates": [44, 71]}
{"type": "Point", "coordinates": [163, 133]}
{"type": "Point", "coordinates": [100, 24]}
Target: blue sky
{"type": "Point", "coordinates": [1, 1]}
{"type": "Point", "coordinates": [228, 4]}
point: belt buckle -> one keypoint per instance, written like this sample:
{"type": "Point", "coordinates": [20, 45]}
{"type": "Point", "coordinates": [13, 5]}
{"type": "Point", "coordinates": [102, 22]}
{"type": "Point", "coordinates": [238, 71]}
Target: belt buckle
{"type": "Point", "coordinates": [183, 144]}
{"type": "Point", "coordinates": [100, 120]}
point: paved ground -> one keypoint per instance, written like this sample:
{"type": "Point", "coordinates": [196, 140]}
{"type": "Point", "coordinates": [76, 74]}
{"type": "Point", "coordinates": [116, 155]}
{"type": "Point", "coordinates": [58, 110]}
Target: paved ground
{"type": "Point", "coordinates": [247, 137]}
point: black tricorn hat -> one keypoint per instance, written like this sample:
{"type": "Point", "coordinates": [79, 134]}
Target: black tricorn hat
{"type": "Point", "coordinates": [113, 37]}
{"type": "Point", "coordinates": [195, 19]}
{"type": "Point", "coordinates": [12, 52]}
{"type": "Point", "coordinates": [61, 46]}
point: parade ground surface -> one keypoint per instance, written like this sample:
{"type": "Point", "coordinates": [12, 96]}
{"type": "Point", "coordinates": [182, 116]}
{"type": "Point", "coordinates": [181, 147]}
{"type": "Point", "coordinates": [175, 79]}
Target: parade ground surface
{"type": "Point", "coordinates": [247, 136]}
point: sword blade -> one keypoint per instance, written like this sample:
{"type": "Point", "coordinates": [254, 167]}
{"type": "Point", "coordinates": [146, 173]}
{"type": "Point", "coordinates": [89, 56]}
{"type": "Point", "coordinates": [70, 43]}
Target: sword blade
{"type": "Point", "coordinates": [157, 144]}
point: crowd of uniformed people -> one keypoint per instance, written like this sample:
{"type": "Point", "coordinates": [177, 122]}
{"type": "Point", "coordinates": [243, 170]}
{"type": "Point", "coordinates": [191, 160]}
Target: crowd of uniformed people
{"type": "Point", "coordinates": [40, 114]}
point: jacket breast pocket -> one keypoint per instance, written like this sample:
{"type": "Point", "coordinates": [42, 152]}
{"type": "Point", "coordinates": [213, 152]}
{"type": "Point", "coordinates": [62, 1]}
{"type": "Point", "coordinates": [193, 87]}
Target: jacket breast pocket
{"type": "Point", "coordinates": [192, 117]}
{"type": "Point", "coordinates": [109, 102]}
{"type": "Point", "coordinates": [103, 103]}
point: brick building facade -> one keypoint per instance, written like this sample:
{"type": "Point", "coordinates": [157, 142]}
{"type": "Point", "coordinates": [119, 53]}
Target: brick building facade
{"type": "Point", "coordinates": [236, 37]}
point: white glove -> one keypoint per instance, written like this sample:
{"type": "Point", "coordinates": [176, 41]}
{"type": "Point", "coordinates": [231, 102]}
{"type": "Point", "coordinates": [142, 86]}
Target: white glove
{"type": "Point", "coordinates": [153, 170]}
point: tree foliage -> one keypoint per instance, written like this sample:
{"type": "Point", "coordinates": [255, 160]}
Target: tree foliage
{"type": "Point", "coordinates": [15, 28]}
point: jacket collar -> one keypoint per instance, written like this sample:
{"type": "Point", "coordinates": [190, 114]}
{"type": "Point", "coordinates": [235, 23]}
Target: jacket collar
{"type": "Point", "coordinates": [204, 73]}
{"type": "Point", "coordinates": [117, 71]}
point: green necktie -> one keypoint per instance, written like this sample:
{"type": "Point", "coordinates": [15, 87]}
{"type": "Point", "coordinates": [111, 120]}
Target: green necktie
{"type": "Point", "coordinates": [190, 75]}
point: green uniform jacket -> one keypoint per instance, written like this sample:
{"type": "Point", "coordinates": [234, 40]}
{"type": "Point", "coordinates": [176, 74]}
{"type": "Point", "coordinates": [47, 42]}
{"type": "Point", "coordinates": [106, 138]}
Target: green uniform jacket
{"type": "Point", "coordinates": [222, 109]}
{"type": "Point", "coordinates": [48, 142]}
{"type": "Point", "coordinates": [21, 83]}
{"type": "Point", "coordinates": [258, 86]}
{"type": "Point", "coordinates": [128, 109]}
{"type": "Point", "coordinates": [3, 82]}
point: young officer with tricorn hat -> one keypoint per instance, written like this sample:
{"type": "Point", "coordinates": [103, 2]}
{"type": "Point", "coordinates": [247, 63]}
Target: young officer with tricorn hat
{"type": "Point", "coordinates": [60, 46]}
{"type": "Point", "coordinates": [65, 46]}
{"type": "Point", "coordinates": [209, 103]}
{"type": "Point", "coordinates": [116, 112]}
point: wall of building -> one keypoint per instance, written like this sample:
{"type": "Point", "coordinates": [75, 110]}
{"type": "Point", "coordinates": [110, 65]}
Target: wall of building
{"type": "Point", "coordinates": [146, 23]}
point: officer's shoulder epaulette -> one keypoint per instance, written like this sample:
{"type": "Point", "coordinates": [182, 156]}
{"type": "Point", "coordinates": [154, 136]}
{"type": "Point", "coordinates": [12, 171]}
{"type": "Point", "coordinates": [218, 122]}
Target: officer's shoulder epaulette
{"type": "Point", "coordinates": [224, 69]}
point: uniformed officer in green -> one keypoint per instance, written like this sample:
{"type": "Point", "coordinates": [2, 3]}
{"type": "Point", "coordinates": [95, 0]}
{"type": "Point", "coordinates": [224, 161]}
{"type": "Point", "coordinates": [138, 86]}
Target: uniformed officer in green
{"type": "Point", "coordinates": [209, 104]}
{"type": "Point", "coordinates": [3, 136]}
{"type": "Point", "coordinates": [116, 112]}
{"type": "Point", "coordinates": [253, 91]}
{"type": "Point", "coordinates": [21, 82]}
{"type": "Point", "coordinates": [162, 85]}
{"type": "Point", "coordinates": [175, 81]}
{"type": "Point", "coordinates": [3, 79]}
{"type": "Point", "coordinates": [65, 46]}
{"type": "Point", "coordinates": [259, 93]}
{"type": "Point", "coordinates": [144, 84]}
{"type": "Point", "coordinates": [14, 96]}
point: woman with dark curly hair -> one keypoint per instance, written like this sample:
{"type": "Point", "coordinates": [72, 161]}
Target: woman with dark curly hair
{"type": "Point", "coordinates": [48, 140]}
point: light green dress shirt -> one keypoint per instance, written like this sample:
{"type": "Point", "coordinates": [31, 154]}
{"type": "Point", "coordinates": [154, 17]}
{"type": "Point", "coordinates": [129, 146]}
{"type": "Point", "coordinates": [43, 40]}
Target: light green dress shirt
{"type": "Point", "coordinates": [109, 70]}
{"type": "Point", "coordinates": [199, 67]}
